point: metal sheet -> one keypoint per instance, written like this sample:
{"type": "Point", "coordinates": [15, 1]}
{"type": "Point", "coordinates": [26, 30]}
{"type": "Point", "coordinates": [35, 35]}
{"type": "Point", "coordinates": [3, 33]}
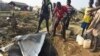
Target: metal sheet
{"type": "Point", "coordinates": [32, 45]}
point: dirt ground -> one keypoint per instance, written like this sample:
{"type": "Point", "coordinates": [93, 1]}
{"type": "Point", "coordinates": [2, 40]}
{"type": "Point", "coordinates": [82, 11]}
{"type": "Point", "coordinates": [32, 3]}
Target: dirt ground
{"type": "Point", "coordinates": [70, 47]}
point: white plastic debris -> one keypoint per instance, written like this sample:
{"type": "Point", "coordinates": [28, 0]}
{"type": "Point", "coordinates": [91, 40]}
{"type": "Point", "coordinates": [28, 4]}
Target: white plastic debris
{"type": "Point", "coordinates": [68, 33]}
{"type": "Point", "coordinates": [18, 37]}
{"type": "Point", "coordinates": [7, 18]}
{"type": "Point", "coordinates": [6, 48]}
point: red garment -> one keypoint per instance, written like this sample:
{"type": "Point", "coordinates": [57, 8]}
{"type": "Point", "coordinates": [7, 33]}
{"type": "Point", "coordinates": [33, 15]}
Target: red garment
{"type": "Point", "coordinates": [60, 12]}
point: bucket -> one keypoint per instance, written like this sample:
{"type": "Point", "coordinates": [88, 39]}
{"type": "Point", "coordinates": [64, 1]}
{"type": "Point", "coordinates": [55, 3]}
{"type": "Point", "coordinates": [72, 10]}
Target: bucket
{"type": "Point", "coordinates": [1, 54]}
{"type": "Point", "coordinates": [68, 33]}
{"type": "Point", "coordinates": [79, 40]}
{"type": "Point", "coordinates": [87, 43]}
{"type": "Point", "coordinates": [59, 27]}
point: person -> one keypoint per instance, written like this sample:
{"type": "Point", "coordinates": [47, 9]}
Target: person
{"type": "Point", "coordinates": [94, 28]}
{"type": "Point", "coordinates": [59, 12]}
{"type": "Point", "coordinates": [13, 22]}
{"type": "Point", "coordinates": [66, 19]}
{"type": "Point", "coordinates": [53, 17]}
{"type": "Point", "coordinates": [45, 14]}
{"type": "Point", "coordinates": [87, 17]}
{"type": "Point", "coordinates": [54, 5]}
{"type": "Point", "coordinates": [71, 11]}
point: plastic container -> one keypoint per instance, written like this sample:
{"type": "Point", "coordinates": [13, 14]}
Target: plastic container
{"type": "Point", "coordinates": [79, 40]}
{"type": "Point", "coordinates": [1, 54]}
{"type": "Point", "coordinates": [87, 43]}
{"type": "Point", "coordinates": [59, 28]}
{"type": "Point", "coordinates": [68, 33]}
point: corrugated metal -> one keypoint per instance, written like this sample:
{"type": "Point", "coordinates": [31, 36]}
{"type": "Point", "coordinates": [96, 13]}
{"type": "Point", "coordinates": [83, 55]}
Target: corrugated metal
{"type": "Point", "coordinates": [31, 46]}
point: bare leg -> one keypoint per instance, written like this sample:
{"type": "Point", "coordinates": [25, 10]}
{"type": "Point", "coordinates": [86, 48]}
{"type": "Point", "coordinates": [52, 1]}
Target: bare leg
{"type": "Point", "coordinates": [47, 25]}
{"type": "Point", "coordinates": [40, 21]}
{"type": "Point", "coordinates": [55, 25]}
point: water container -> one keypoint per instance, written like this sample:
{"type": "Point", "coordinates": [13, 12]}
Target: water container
{"type": "Point", "coordinates": [79, 40]}
{"type": "Point", "coordinates": [59, 28]}
{"type": "Point", "coordinates": [1, 54]}
{"type": "Point", "coordinates": [68, 33]}
{"type": "Point", "coordinates": [87, 43]}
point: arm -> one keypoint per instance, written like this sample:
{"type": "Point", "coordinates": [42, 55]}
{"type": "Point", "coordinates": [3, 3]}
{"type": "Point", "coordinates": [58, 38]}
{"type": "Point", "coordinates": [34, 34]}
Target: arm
{"type": "Point", "coordinates": [51, 8]}
{"type": "Point", "coordinates": [81, 12]}
{"type": "Point", "coordinates": [94, 9]}
{"type": "Point", "coordinates": [51, 5]}
{"type": "Point", "coordinates": [54, 12]}
{"type": "Point", "coordinates": [94, 22]}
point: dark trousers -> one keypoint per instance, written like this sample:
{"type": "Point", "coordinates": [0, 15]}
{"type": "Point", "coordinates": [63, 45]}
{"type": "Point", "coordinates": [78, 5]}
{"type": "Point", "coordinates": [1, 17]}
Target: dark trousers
{"type": "Point", "coordinates": [64, 30]}
{"type": "Point", "coordinates": [46, 18]}
{"type": "Point", "coordinates": [63, 27]}
{"type": "Point", "coordinates": [64, 24]}
{"type": "Point", "coordinates": [67, 21]}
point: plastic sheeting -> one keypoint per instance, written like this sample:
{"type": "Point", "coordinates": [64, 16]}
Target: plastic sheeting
{"type": "Point", "coordinates": [32, 44]}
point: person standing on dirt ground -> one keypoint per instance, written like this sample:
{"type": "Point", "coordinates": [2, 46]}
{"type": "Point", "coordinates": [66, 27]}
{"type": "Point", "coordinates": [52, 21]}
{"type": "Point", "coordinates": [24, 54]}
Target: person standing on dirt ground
{"type": "Point", "coordinates": [12, 19]}
{"type": "Point", "coordinates": [87, 16]}
{"type": "Point", "coordinates": [94, 28]}
{"type": "Point", "coordinates": [45, 14]}
{"type": "Point", "coordinates": [60, 11]}
{"type": "Point", "coordinates": [13, 22]}
{"type": "Point", "coordinates": [66, 19]}
{"type": "Point", "coordinates": [71, 11]}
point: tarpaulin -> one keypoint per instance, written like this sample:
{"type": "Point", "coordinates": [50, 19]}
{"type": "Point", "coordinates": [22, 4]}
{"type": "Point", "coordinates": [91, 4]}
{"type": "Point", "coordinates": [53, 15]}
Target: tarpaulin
{"type": "Point", "coordinates": [32, 44]}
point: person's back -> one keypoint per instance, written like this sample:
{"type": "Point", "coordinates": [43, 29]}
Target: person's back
{"type": "Point", "coordinates": [45, 9]}
{"type": "Point", "coordinates": [71, 10]}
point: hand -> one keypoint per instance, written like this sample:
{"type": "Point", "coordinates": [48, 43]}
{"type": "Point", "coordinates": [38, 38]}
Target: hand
{"type": "Point", "coordinates": [89, 30]}
{"type": "Point", "coordinates": [95, 32]}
